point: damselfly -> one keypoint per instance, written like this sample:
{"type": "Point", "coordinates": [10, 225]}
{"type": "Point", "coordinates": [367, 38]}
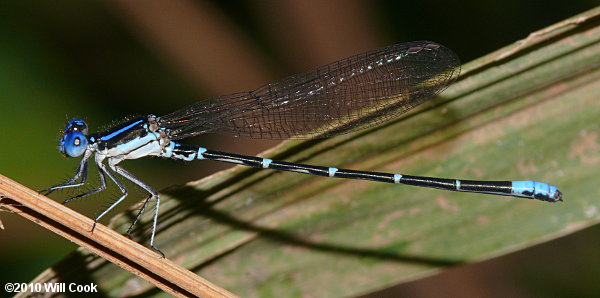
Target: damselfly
{"type": "Point", "coordinates": [341, 97]}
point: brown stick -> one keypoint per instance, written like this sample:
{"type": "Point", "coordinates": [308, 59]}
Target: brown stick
{"type": "Point", "coordinates": [105, 242]}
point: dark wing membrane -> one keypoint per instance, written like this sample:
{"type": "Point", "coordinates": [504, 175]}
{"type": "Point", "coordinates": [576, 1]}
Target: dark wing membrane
{"type": "Point", "coordinates": [344, 96]}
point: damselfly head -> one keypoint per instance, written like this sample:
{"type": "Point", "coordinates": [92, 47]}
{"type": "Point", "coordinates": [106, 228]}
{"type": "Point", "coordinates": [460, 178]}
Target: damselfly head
{"type": "Point", "coordinates": [74, 142]}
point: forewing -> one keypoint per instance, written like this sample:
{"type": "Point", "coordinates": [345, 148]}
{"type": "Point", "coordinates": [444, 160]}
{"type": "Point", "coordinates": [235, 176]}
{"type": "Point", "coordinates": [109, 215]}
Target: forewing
{"type": "Point", "coordinates": [344, 96]}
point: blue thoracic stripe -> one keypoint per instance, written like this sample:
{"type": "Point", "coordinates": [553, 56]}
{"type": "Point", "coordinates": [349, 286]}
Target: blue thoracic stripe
{"type": "Point", "coordinates": [121, 130]}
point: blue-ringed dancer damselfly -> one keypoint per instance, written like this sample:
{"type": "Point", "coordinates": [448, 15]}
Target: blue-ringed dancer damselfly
{"type": "Point", "coordinates": [341, 97]}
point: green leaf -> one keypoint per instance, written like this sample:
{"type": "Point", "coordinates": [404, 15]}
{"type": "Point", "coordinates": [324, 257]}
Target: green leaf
{"type": "Point", "coordinates": [528, 111]}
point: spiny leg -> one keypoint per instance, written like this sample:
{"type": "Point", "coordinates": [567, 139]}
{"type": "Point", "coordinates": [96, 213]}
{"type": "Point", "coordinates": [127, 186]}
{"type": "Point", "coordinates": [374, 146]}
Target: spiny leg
{"type": "Point", "coordinates": [81, 171]}
{"type": "Point", "coordinates": [138, 215]}
{"type": "Point", "coordinates": [153, 194]}
{"type": "Point", "coordinates": [103, 168]}
{"type": "Point", "coordinates": [93, 191]}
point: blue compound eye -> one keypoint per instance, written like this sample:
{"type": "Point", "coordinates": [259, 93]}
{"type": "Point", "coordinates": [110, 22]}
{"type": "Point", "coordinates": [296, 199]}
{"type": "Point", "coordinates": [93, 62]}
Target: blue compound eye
{"type": "Point", "coordinates": [76, 125]}
{"type": "Point", "coordinates": [73, 144]}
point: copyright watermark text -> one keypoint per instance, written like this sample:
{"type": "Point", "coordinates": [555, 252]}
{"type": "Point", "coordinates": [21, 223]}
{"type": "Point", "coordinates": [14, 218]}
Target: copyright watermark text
{"type": "Point", "coordinates": [50, 287]}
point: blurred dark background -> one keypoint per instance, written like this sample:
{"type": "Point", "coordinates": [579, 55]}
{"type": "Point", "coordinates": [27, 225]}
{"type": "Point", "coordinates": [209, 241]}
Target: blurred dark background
{"type": "Point", "coordinates": [105, 60]}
